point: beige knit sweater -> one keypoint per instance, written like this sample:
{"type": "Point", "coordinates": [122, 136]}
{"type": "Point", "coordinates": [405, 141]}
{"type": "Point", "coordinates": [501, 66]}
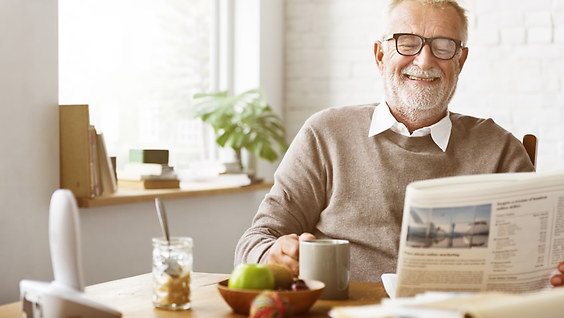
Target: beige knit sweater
{"type": "Point", "coordinates": [336, 182]}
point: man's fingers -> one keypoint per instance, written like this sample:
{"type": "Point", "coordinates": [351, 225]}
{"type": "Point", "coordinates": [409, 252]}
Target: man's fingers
{"type": "Point", "coordinates": [307, 237]}
{"type": "Point", "coordinates": [289, 262]}
{"type": "Point", "coordinates": [290, 247]}
{"type": "Point", "coordinates": [285, 251]}
{"type": "Point", "coordinates": [292, 264]}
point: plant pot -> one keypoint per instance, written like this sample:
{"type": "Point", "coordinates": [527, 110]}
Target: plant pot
{"type": "Point", "coordinates": [249, 163]}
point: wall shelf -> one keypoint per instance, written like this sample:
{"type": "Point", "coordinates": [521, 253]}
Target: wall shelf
{"type": "Point", "coordinates": [77, 169]}
{"type": "Point", "coordinates": [125, 196]}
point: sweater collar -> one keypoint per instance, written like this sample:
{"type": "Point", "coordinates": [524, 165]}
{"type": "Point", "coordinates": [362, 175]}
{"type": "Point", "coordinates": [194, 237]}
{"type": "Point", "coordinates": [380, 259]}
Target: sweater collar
{"type": "Point", "coordinates": [382, 120]}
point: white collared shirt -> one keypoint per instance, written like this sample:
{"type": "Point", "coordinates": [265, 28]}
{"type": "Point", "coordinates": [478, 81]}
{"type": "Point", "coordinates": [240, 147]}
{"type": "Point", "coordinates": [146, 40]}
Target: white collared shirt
{"type": "Point", "coordinates": [382, 120]}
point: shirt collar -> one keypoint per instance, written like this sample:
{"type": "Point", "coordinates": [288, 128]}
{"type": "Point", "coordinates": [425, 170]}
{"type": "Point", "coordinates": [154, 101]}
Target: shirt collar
{"type": "Point", "coordinates": [382, 120]}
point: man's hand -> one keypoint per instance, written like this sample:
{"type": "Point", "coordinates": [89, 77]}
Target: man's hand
{"type": "Point", "coordinates": [286, 251]}
{"type": "Point", "coordinates": [558, 279]}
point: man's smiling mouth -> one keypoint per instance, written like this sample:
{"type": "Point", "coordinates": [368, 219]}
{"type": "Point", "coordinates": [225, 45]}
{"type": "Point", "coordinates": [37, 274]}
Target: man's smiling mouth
{"type": "Point", "coordinates": [424, 79]}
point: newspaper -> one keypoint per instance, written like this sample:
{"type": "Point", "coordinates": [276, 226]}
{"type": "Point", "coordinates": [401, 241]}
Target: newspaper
{"type": "Point", "coordinates": [496, 232]}
{"type": "Point", "coordinates": [480, 246]}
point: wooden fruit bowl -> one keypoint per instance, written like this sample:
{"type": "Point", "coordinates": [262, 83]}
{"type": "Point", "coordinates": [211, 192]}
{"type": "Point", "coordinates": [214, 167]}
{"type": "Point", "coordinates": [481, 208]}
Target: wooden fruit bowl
{"type": "Point", "coordinates": [301, 301]}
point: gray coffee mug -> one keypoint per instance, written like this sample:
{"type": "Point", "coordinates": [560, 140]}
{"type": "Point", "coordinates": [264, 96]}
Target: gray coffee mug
{"type": "Point", "coordinates": [328, 261]}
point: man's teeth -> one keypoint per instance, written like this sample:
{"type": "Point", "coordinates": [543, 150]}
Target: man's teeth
{"type": "Point", "coordinates": [426, 79]}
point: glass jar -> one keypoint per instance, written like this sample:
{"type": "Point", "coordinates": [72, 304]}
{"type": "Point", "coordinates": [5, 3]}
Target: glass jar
{"type": "Point", "coordinates": [172, 270]}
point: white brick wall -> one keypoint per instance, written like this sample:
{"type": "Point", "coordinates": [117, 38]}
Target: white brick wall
{"type": "Point", "coordinates": [514, 73]}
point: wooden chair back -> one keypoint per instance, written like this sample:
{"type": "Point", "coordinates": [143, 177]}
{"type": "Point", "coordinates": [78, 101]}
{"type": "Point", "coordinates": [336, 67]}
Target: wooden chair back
{"type": "Point", "coordinates": [530, 143]}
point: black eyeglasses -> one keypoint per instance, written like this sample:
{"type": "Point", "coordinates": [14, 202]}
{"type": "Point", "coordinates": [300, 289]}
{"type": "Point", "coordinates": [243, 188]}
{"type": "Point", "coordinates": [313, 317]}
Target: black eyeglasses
{"type": "Point", "coordinates": [408, 44]}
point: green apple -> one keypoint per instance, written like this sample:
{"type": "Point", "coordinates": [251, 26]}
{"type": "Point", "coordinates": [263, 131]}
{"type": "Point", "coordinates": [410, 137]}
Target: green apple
{"type": "Point", "coordinates": [251, 276]}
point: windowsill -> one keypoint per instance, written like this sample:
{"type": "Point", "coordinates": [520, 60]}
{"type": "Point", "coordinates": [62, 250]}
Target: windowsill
{"type": "Point", "coordinates": [125, 196]}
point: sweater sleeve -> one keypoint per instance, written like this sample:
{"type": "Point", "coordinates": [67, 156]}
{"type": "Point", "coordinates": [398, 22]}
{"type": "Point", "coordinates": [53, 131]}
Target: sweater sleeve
{"type": "Point", "coordinates": [514, 157]}
{"type": "Point", "coordinates": [295, 201]}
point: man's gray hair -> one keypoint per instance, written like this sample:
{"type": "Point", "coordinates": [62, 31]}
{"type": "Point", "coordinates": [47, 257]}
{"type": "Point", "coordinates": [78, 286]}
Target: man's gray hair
{"type": "Point", "coordinates": [440, 3]}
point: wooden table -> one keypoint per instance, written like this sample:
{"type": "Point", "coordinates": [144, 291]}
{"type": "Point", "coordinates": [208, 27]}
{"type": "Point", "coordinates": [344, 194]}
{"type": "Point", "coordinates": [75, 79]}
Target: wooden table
{"type": "Point", "coordinates": [132, 296]}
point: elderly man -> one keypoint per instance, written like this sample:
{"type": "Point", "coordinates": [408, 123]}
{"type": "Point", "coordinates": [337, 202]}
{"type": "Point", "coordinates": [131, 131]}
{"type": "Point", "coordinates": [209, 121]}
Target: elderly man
{"type": "Point", "coordinates": [345, 174]}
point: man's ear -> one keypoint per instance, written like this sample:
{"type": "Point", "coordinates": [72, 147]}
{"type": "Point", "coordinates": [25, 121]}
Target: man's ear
{"type": "Point", "coordinates": [379, 55]}
{"type": "Point", "coordinates": [463, 58]}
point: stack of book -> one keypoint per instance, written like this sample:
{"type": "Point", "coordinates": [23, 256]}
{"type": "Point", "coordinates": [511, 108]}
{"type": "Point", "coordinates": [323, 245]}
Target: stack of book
{"type": "Point", "coordinates": [148, 169]}
{"type": "Point", "coordinates": [85, 167]}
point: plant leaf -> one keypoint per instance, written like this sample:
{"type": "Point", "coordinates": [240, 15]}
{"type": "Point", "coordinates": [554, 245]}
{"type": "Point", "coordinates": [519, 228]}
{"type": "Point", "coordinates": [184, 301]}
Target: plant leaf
{"type": "Point", "coordinates": [242, 121]}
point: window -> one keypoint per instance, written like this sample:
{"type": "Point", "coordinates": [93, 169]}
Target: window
{"type": "Point", "coordinates": [137, 63]}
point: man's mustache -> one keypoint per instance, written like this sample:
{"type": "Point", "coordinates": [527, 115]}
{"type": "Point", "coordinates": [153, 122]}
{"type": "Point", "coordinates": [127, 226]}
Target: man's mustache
{"type": "Point", "coordinates": [413, 70]}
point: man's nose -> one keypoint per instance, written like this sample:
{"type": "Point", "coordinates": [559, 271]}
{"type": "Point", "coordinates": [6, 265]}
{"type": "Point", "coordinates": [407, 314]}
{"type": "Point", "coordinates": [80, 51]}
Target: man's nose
{"type": "Point", "coordinates": [425, 58]}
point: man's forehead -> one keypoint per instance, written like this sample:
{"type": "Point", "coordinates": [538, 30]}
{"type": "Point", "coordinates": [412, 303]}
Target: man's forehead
{"type": "Point", "coordinates": [425, 19]}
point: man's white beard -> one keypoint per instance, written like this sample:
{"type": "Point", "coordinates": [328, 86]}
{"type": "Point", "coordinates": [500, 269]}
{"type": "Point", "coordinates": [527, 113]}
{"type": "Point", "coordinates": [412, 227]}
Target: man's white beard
{"type": "Point", "coordinates": [418, 104]}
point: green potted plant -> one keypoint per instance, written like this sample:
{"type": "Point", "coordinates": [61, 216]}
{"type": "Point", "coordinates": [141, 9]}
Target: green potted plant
{"type": "Point", "coordinates": [243, 121]}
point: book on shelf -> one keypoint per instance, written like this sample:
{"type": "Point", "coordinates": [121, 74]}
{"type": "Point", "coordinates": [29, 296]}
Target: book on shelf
{"type": "Point", "coordinates": [107, 177]}
{"type": "Point", "coordinates": [113, 160]}
{"type": "Point", "coordinates": [94, 163]}
{"type": "Point", "coordinates": [150, 184]}
{"type": "Point", "coordinates": [74, 150]}
{"type": "Point", "coordinates": [148, 169]}
{"type": "Point", "coordinates": [159, 156]}
{"type": "Point", "coordinates": [142, 171]}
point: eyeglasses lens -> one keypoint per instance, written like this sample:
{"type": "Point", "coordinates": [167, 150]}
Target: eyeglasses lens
{"type": "Point", "coordinates": [409, 45]}
{"type": "Point", "coordinates": [443, 48]}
